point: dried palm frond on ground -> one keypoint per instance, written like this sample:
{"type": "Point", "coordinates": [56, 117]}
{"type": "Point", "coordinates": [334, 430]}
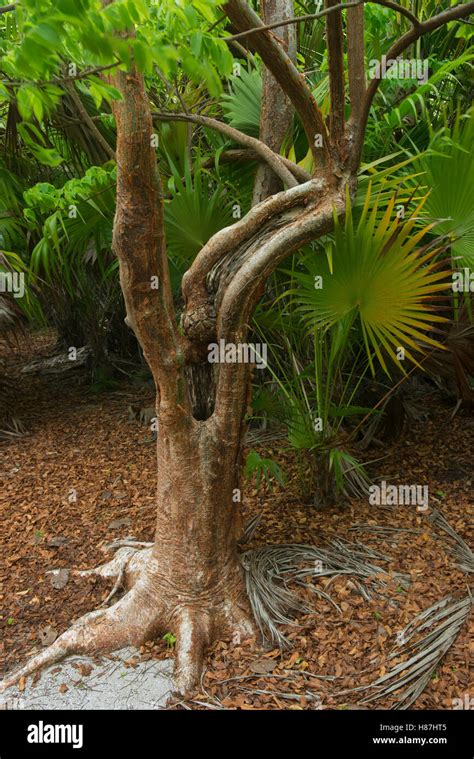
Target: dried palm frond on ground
{"type": "Point", "coordinates": [59, 363]}
{"type": "Point", "coordinates": [260, 437]}
{"type": "Point", "coordinates": [270, 569]}
{"type": "Point", "coordinates": [11, 427]}
{"type": "Point", "coordinates": [424, 655]}
{"type": "Point", "coordinates": [10, 424]}
{"type": "Point", "coordinates": [461, 551]}
{"type": "Point", "coordinates": [382, 531]}
{"type": "Point", "coordinates": [11, 317]}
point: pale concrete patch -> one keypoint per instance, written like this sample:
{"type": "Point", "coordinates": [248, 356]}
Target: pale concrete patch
{"type": "Point", "coordinates": [110, 685]}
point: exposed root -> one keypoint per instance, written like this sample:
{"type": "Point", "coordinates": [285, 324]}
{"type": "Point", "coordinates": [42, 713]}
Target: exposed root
{"type": "Point", "coordinates": [119, 582]}
{"type": "Point", "coordinates": [128, 542]}
{"type": "Point", "coordinates": [145, 611]}
{"type": "Point", "coordinates": [130, 622]}
{"type": "Point", "coordinates": [193, 635]}
{"type": "Point", "coordinates": [127, 565]}
{"type": "Point", "coordinates": [66, 643]}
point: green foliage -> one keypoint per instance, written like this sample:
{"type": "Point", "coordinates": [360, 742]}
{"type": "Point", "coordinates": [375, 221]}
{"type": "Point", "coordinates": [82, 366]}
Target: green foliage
{"type": "Point", "coordinates": [449, 173]}
{"type": "Point", "coordinates": [352, 302]}
{"type": "Point", "coordinates": [172, 34]}
{"type": "Point", "coordinates": [241, 105]}
{"type": "Point", "coordinates": [12, 226]}
{"type": "Point", "coordinates": [76, 226]}
{"type": "Point", "coordinates": [199, 208]}
{"type": "Point", "coordinates": [263, 469]}
{"type": "Point", "coordinates": [72, 263]}
{"type": "Point", "coordinates": [313, 393]}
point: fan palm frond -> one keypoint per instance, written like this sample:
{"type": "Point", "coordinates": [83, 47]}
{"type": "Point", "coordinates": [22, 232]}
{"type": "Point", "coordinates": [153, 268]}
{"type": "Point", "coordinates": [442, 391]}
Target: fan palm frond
{"type": "Point", "coordinates": [377, 277]}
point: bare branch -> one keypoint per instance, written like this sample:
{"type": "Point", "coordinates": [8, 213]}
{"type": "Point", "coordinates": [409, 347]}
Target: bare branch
{"type": "Point", "coordinates": [266, 213]}
{"type": "Point", "coordinates": [86, 118]}
{"type": "Point", "coordinates": [266, 154]}
{"type": "Point", "coordinates": [294, 20]}
{"type": "Point", "coordinates": [327, 11]}
{"type": "Point", "coordinates": [245, 287]}
{"type": "Point", "coordinates": [452, 14]}
{"type": "Point", "coordinates": [7, 8]}
{"type": "Point", "coordinates": [285, 72]}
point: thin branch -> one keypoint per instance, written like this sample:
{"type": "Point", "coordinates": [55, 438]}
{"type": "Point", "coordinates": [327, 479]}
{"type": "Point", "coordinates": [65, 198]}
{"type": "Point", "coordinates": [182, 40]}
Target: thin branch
{"type": "Point", "coordinates": [241, 51]}
{"type": "Point", "coordinates": [86, 118]}
{"type": "Point", "coordinates": [285, 72]}
{"type": "Point", "coordinates": [314, 16]}
{"type": "Point", "coordinates": [59, 79]}
{"type": "Point", "coordinates": [399, 9]}
{"type": "Point", "coordinates": [7, 8]}
{"type": "Point", "coordinates": [294, 20]}
{"type": "Point", "coordinates": [263, 150]}
{"type": "Point", "coordinates": [243, 291]}
{"type": "Point", "coordinates": [452, 14]}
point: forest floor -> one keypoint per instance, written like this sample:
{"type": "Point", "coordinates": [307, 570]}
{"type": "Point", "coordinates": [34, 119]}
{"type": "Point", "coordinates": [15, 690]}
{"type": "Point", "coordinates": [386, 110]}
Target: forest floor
{"type": "Point", "coordinates": [85, 475]}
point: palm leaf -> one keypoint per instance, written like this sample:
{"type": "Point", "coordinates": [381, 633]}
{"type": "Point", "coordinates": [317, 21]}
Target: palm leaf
{"type": "Point", "coordinates": [449, 172]}
{"type": "Point", "coordinates": [241, 105]}
{"type": "Point", "coordinates": [380, 281]}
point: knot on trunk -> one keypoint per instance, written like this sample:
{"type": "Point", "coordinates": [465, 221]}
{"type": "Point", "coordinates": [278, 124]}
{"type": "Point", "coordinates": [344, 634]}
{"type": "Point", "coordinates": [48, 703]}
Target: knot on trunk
{"type": "Point", "coordinates": [199, 323]}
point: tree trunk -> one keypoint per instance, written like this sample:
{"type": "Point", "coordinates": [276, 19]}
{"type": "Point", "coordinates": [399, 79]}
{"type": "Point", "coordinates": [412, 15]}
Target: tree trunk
{"type": "Point", "coordinates": [195, 565]}
{"type": "Point", "coordinates": [277, 111]}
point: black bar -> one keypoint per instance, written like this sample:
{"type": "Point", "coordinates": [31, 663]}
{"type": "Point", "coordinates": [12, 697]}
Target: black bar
{"type": "Point", "coordinates": [423, 734]}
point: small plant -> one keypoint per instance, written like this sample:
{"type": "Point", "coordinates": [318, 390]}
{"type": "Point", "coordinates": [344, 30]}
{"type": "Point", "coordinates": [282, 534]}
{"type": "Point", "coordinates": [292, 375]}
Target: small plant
{"type": "Point", "coordinates": [265, 469]}
{"type": "Point", "coordinates": [170, 640]}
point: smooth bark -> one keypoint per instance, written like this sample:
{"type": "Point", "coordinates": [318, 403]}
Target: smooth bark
{"type": "Point", "coordinates": [276, 117]}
